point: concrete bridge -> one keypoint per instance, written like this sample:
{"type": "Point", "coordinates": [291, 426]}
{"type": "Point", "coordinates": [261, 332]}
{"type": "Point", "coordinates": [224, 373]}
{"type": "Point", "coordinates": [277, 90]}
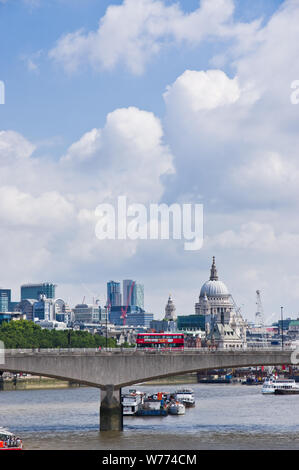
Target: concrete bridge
{"type": "Point", "coordinates": [112, 370]}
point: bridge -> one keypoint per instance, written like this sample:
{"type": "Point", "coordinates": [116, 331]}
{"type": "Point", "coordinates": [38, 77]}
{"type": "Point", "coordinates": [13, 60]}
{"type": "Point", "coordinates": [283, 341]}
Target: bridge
{"type": "Point", "coordinates": [111, 370]}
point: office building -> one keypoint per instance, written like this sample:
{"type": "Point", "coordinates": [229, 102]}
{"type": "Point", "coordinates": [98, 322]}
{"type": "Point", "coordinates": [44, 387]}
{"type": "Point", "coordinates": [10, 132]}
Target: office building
{"type": "Point", "coordinates": [133, 293]}
{"type": "Point", "coordinates": [5, 300]}
{"type": "Point", "coordinates": [34, 291]}
{"type": "Point", "coordinates": [114, 297]}
{"type": "Point", "coordinates": [44, 309]}
{"type": "Point", "coordinates": [130, 316]}
{"type": "Point", "coordinates": [86, 313]}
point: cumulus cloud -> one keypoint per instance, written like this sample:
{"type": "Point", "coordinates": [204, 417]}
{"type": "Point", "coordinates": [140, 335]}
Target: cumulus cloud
{"type": "Point", "coordinates": [128, 155]}
{"type": "Point", "coordinates": [55, 201]}
{"type": "Point", "coordinates": [256, 237]}
{"type": "Point", "coordinates": [134, 31]}
{"type": "Point", "coordinates": [199, 90]}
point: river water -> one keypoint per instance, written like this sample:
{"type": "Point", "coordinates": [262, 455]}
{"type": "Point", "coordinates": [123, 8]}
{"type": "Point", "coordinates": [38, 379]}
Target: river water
{"type": "Point", "coordinates": [225, 417]}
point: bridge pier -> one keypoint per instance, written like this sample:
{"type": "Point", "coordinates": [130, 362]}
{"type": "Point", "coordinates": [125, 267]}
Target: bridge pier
{"type": "Point", "coordinates": [111, 413]}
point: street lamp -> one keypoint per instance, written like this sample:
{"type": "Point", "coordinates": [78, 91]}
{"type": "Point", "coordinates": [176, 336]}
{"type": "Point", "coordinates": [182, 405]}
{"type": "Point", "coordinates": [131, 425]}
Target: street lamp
{"type": "Point", "coordinates": [281, 310]}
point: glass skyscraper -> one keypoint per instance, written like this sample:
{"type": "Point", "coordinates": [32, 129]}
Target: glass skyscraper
{"type": "Point", "coordinates": [113, 293]}
{"type": "Point", "coordinates": [133, 293]}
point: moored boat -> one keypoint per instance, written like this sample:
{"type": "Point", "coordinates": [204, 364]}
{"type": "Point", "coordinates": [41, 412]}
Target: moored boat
{"type": "Point", "coordinates": [185, 396]}
{"type": "Point", "coordinates": [176, 408]}
{"type": "Point", "coordinates": [131, 402]}
{"type": "Point", "coordinates": [152, 407]}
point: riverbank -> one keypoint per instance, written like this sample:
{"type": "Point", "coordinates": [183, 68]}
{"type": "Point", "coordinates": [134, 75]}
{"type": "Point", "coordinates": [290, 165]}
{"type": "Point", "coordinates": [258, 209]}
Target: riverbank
{"type": "Point", "coordinates": [39, 383]}
{"type": "Point", "coordinates": [34, 383]}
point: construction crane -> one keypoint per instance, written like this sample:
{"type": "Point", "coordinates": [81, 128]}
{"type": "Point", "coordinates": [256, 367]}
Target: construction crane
{"type": "Point", "coordinates": [259, 317]}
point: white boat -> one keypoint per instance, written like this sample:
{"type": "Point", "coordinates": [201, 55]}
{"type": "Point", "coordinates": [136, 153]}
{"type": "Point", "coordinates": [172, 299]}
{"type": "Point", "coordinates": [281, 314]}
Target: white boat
{"type": "Point", "coordinates": [274, 385]}
{"type": "Point", "coordinates": [185, 396]}
{"type": "Point", "coordinates": [176, 408]}
{"type": "Point", "coordinates": [8, 441]}
{"type": "Point", "coordinates": [131, 402]}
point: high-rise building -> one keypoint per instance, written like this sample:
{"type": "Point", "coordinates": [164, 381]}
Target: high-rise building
{"type": "Point", "coordinates": [139, 295]}
{"type": "Point", "coordinates": [133, 293]}
{"type": "Point", "coordinates": [5, 300]}
{"type": "Point", "coordinates": [33, 291]}
{"type": "Point", "coordinates": [113, 293]}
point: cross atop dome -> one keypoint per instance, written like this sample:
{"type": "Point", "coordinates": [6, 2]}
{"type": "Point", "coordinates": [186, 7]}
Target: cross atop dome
{"type": "Point", "coordinates": [214, 274]}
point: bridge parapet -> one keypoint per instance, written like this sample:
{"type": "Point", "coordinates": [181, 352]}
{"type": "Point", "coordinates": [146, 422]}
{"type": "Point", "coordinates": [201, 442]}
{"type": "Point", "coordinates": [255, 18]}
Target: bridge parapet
{"type": "Point", "coordinates": [143, 352]}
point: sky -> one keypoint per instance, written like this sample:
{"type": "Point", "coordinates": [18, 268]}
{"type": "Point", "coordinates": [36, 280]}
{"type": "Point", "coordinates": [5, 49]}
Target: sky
{"type": "Point", "coordinates": [185, 102]}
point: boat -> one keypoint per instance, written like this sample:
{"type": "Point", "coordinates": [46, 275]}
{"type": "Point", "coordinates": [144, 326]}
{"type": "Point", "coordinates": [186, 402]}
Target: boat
{"type": "Point", "coordinates": [251, 381]}
{"type": "Point", "coordinates": [8, 441]}
{"type": "Point", "coordinates": [220, 380]}
{"type": "Point", "coordinates": [281, 391]}
{"type": "Point", "coordinates": [176, 408]}
{"type": "Point", "coordinates": [152, 407]}
{"type": "Point", "coordinates": [185, 396]}
{"type": "Point", "coordinates": [131, 402]}
{"type": "Point", "coordinates": [273, 385]}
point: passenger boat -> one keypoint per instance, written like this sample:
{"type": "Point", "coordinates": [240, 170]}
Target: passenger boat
{"type": "Point", "coordinates": [176, 408]}
{"type": "Point", "coordinates": [131, 402]}
{"type": "Point", "coordinates": [185, 396]}
{"type": "Point", "coordinates": [273, 385]}
{"type": "Point", "coordinates": [281, 391]}
{"type": "Point", "coordinates": [8, 441]}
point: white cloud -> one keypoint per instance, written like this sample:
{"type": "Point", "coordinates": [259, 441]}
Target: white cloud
{"type": "Point", "coordinates": [198, 90]}
{"type": "Point", "coordinates": [267, 177]}
{"type": "Point", "coordinates": [127, 156]}
{"type": "Point", "coordinates": [256, 237]}
{"type": "Point", "coordinates": [43, 212]}
{"type": "Point", "coordinates": [136, 30]}
{"type": "Point", "coordinates": [14, 146]}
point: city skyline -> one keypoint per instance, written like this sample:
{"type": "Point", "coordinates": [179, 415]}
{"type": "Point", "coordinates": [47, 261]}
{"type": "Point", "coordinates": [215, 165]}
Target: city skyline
{"type": "Point", "coordinates": [167, 106]}
{"type": "Point", "coordinates": [116, 297]}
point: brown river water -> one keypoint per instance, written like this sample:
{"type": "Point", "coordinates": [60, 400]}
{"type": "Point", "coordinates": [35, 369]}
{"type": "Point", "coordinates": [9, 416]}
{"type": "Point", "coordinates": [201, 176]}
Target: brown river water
{"type": "Point", "coordinates": [225, 417]}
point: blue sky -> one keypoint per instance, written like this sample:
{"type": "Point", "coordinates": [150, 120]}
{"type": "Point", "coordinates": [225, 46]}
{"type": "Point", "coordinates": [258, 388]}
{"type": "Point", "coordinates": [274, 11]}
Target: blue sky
{"type": "Point", "coordinates": [84, 80]}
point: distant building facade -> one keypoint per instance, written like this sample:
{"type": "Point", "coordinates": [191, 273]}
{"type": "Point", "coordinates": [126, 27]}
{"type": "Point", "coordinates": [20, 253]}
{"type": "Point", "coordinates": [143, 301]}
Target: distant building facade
{"type": "Point", "coordinates": [170, 310]}
{"type": "Point", "coordinates": [5, 300]}
{"type": "Point", "coordinates": [86, 313]}
{"type": "Point", "coordinates": [114, 297]}
{"type": "Point", "coordinates": [33, 291]}
{"type": "Point", "coordinates": [132, 316]}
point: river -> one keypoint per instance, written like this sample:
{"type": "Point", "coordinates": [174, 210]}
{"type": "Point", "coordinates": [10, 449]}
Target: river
{"type": "Point", "coordinates": [225, 417]}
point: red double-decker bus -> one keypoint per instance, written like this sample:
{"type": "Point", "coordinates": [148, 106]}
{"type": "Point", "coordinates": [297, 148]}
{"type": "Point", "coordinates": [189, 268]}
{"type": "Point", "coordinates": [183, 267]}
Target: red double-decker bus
{"type": "Point", "coordinates": [160, 340]}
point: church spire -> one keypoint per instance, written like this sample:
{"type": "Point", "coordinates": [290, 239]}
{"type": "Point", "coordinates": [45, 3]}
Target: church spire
{"type": "Point", "coordinates": [214, 274]}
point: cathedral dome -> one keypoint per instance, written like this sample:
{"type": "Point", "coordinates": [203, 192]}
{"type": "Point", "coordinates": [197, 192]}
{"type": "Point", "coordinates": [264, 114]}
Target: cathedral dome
{"type": "Point", "coordinates": [214, 287]}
